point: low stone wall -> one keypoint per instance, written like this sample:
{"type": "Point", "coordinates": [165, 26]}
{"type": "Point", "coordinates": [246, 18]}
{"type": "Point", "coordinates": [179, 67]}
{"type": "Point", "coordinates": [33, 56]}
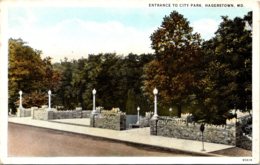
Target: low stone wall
{"type": "Point", "coordinates": [109, 120]}
{"type": "Point", "coordinates": [45, 114]}
{"type": "Point", "coordinates": [179, 128]}
{"type": "Point", "coordinates": [66, 114]}
{"type": "Point", "coordinates": [42, 114]}
{"type": "Point", "coordinates": [23, 112]}
{"type": "Point", "coordinates": [86, 113]}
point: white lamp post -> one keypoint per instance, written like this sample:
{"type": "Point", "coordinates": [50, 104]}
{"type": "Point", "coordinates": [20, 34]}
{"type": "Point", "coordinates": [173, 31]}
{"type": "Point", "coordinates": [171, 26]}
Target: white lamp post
{"type": "Point", "coordinates": [49, 93]}
{"type": "Point", "coordinates": [155, 92]}
{"type": "Point", "coordinates": [20, 106]}
{"type": "Point", "coordinates": [138, 117]}
{"type": "Point", "coordinates": [170, 112]}
{"type": "Point", "coordinates": [94, 101]}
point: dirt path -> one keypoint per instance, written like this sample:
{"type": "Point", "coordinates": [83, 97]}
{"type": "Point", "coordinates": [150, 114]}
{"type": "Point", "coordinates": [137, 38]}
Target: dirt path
{"type": "Point", "coordinates": [32, 141]}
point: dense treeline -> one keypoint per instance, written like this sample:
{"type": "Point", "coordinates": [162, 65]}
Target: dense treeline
{"type": "Point", "coordinates": [117, 80]}
{"type": "Point", "coordinates": [206, 78]}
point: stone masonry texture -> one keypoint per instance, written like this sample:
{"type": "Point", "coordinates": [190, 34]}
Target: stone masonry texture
{"type": "Point", "coordinates": [230, 134]}
{"type": "Point", "coordinates": [183, 130]}
{"type": "Point", "coordinates": [109, 120]}
{"type": "Point", "coordinates": [23, 112]}
{"type": "Point", "coordinates": [44, 114]}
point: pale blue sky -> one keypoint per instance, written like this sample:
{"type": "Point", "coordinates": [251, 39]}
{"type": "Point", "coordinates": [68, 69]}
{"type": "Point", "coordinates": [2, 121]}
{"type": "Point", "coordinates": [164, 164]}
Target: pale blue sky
{"type": "Point", "coordinates": [77, 32]}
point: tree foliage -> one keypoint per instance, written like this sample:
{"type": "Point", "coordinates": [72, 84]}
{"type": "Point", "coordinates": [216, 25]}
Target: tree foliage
{"type": "Point", "coordinates": [227, 77]}
{"type": "Point", "coordinates": [113, 76]}
{"type": "Point", "coordinates": [177, 52]}
{"type": "Point", "coordinates": [29, 73]}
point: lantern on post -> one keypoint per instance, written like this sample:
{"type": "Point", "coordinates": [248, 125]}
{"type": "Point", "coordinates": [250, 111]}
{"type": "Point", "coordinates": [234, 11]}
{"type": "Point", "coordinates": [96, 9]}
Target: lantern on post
{"type": "Point", "coordinates": [170, 112]}
{"type": "Point", "coordinates": [49, 93]}
{"type": "Point", "coordinates": [155, 115]}
{"type": "Point", "coordinates": [138, 115]}
{"type": "Point", "coordinates": [20, 105]}
{"type": "Point", "coordinates": [94, 101]}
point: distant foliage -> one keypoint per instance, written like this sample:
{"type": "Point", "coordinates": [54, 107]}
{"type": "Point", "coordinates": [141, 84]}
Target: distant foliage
{"type": "Point", "coordinates": [113, 76]}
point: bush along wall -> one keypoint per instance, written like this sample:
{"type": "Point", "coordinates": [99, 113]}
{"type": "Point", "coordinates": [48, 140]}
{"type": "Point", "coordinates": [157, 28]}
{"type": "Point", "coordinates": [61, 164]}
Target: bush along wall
{"type": "Point", "coordinates": [244, 133]}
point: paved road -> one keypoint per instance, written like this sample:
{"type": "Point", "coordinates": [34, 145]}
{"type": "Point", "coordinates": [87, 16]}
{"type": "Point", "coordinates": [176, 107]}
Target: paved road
{"type": "Point", "coordinates": [32, 141]}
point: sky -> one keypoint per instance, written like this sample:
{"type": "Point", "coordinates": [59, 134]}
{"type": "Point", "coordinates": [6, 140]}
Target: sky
{"type": "Point", "coordinates": [75, 32]}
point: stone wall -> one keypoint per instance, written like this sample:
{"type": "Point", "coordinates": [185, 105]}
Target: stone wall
{"type": "Point", "coordinates": [70, 114]}
{"type": "Point", "coordinates": [109, 120]}
{"type": "Point", "coordinates": [237, 133]}
{"type": "Point", "coordinates": [23, 112]}
{"type": "Point", "coordinates": [179, 128]}
{"type": "Point", "coordinates": [42, 114]}
{"type": "Point", "coordinates": [45, 114]}
{"type": "Point", "coordinates": [86, 113]}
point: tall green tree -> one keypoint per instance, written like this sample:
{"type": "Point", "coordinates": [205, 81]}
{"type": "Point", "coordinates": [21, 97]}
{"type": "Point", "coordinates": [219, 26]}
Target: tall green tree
{"type": "Point", "coordinates": [227, 82]}
{"type": "Point", "coordinates": [30, 73]}
{"type": "Point", "coordinates": [51, 79]}
{"type": "Point", "coordinates": [131, 102]}
{"type": "Point", "coordinates": [65, 92]}
{"type": "Point", "coordinates": [177, 51]}
{"type": "Point", "coordinates": [134, 65]}
{"type": "Point", "coordinates": [25, 70]}
{"type": "Point", "coordinates": [79, 82]}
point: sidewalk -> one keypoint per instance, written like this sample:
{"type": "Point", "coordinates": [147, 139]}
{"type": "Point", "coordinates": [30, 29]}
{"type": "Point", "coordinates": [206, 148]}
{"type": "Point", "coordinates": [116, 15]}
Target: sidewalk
{"type": "Point", "coordinates": [138, 136]}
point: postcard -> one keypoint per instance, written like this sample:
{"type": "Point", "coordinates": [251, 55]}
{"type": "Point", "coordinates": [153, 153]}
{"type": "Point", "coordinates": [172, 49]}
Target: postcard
{"type": "Point", "coordinates": [129, 82]}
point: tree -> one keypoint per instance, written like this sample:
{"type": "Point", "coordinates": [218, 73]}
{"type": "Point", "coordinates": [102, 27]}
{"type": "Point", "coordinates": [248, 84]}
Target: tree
{"type": "Point", "coordinates": [133, 66]}
{"type": "Point", "coordinates": [131, 102]}
{"type": "Point", "coordinates": [65, 91]}
{"type": "Point", "coordinates": [29, 73]}
{"type": "Point", "coordinates": [177, 52]}
{"type": "Point", "coordinates": [25, 70]}
{"type": "Point", "coordinates": [51, 79]}
{"type": "Point", "coordinates": [79, 82]}
{"type": "Point", "coordinates": [227, 80]}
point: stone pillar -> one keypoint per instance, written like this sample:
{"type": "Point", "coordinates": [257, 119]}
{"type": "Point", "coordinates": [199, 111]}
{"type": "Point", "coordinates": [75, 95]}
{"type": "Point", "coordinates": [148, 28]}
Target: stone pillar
{"type": "Point", "coordinates": [32, 111]}
{"type": "Point", "coordinates": [153, 127]}
{"type": "Point", "coordinates": [93, 119]}
{"type": "Point", "coordinates": [18, 113]}
{"type": "Point", "coordinates": [48, 115]}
